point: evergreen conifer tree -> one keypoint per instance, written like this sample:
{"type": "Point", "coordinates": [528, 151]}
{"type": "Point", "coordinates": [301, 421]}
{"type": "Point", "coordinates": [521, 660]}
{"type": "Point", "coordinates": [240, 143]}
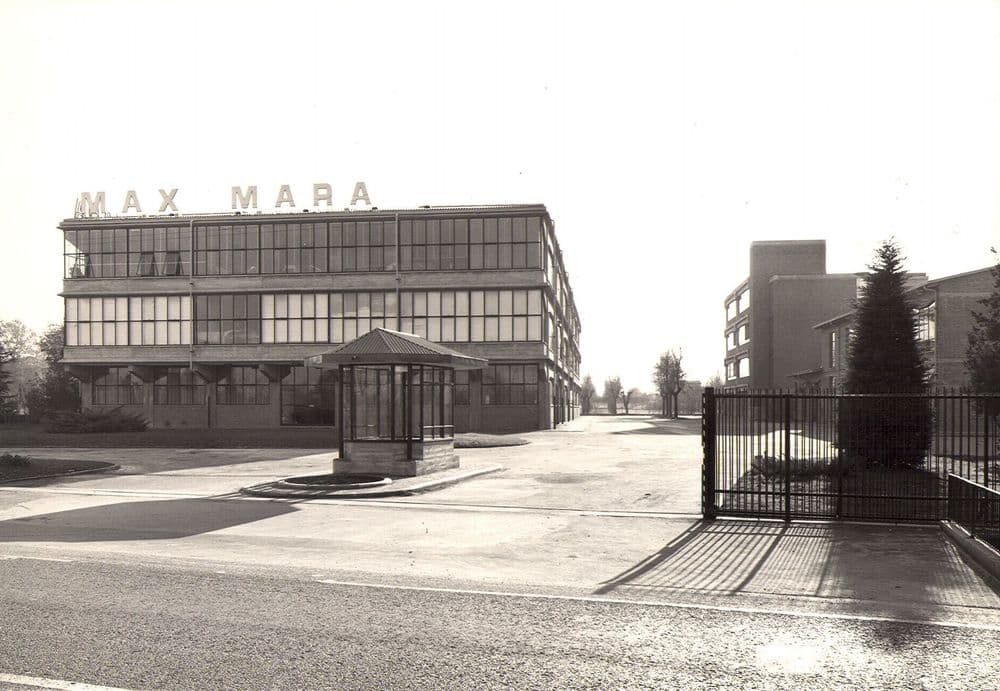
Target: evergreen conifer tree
{"type": "Point", "coordinates": [883, 358]}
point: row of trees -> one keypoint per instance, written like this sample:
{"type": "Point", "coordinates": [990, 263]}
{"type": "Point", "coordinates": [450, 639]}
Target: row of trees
{"type": "Point", "coordinates": [32, 380]}
{"type": "Point", "coordinates": [668, 377]}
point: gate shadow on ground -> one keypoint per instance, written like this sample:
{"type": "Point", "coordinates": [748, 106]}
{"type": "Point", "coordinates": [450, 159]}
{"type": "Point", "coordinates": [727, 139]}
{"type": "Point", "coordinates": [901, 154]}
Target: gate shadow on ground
{"type": "Point", "coordinates": [686, 426]}
{"type": "Point", "coordinates": [139, 520]}
{"type": "Point", "coordinates": [894, 570]}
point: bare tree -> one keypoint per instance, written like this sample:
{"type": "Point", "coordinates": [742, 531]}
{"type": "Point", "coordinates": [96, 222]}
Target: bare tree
{"type": "Point", "coordinates": [668, 375]}
{"type": "Point", "coordinates": [627, 397]}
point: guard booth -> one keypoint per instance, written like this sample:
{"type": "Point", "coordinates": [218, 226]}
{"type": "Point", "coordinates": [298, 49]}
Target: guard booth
{"type": "Point", "coordinates": [395, 396]}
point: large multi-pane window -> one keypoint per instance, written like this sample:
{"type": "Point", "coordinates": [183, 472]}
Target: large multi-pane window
{"type": "Point", "coordinates": [355, 314]}
{"type": "Point", "coordinates": [362, 246]}
{"type": "Point", "coordinates": [478, 243]}
{"type": "Point", "coordinates": [122, 252]}
{"type": "Point", "coordinates": [477, 315]}
{"type": "Point", "coordinates": [117, 386]}
{"type": "Point", "coordinates": [226, 250]}
{"type": "Point", "coordinates": [510, 385]}
{"type": "Point", "coordinates": [223, 319]}
{"type": "Point", "coordinates": [294, 318]}
{"type": "Point", "coordinates": [134, 320]}
{"type": "Point", "coordinates": [177, 386]}
{"type": "Point", "coordinates": [926, 323]}
{"type": "Point", "coordinates": [242, 385]}
{"type": "Point", "coordinates": [308, 396]}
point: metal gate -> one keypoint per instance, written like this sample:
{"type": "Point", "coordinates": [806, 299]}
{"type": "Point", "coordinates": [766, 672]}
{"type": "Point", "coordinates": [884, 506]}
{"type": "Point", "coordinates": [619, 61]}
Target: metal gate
{"type": "Point", "coordinates": [834, 455]}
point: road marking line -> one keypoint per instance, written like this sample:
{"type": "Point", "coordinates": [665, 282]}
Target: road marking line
{"type": "Point", "coordinates": [44, 683]}
{"type": "Point", "coordinates": [9, 557]}
{"type": "Point", "coordinates": [657, 603]}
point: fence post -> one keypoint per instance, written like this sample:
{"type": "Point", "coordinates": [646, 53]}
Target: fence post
{"type": "Point", "coordinates": [787, 400]}
{"type": "Point", "coordinates": [986, 442]}
{"type": "Point", "coordinates": [708, 430]}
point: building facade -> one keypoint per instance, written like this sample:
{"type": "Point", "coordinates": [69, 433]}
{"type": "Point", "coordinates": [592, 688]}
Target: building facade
{"type": "Point", "coordinates": [943, 310]}
{"type": "Point", "coordinates": [206, 320]}
{"type": "Point", "coordinates": [770, 314]}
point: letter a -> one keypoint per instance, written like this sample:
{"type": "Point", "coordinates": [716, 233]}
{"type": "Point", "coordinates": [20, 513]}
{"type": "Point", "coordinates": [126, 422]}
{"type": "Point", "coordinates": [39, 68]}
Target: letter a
{"type": "Point", "coordinates": [284, 197]}
{"type": "Point", "coordinates": [360, 192]}
{"type": "Point", "coordinates": [248, 200]}
{"type": "Point", "coordinates": [131, 202]}
{"type": "Point", "coordinates": [322, 192]}
{"type": "Point", "coordinates": [168, 200]}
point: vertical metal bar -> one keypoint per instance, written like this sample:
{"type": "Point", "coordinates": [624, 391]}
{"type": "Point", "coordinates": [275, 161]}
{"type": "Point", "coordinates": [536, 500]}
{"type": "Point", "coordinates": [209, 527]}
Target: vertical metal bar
{"type": "Point", "coordinates": [986, 442]}
{"type": "Point", "coordinates": [788, 457]}
{"type": "Point", "coordinates": [421, 403]}
{"type": "Point", "coordinates": [392, 402]}
{"type": "Point", "coordinates": [708, 430]}
{"type": "Point", "coordinates": [408, 413]}
{"type": "Point", "coordinates": [340, 409]}
{"type": "Point", "coordinates": [441, 376]}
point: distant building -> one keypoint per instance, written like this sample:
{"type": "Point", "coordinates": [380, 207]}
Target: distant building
{"type": "Point", "coordinates": [770, 315]}
{"type": "Point", "coordinates": [206, 320]}
{"type": "Point", "coordinates": [943, 308]}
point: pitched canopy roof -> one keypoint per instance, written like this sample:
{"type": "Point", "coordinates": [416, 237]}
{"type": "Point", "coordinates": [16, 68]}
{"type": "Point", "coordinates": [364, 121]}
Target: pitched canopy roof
{"type": "Point", "coordinates": [386, 347]}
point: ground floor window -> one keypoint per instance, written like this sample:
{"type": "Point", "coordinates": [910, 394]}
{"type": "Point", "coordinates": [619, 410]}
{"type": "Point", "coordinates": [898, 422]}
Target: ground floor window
{"type": "Point", "coordinates": [510, 385]}
{"type": "Point", "coordinates": [177, 386]}
{"type": "Point", "coordinates": [117, 387]}
{"type": "Point", "coordinates": [244, 386]}
{"type": "Point", "coordinates": [309, 396]}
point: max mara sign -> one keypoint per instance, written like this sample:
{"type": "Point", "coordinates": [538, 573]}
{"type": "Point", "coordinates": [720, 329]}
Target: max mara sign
{"type": "Point", "coordinates": [241, 199]}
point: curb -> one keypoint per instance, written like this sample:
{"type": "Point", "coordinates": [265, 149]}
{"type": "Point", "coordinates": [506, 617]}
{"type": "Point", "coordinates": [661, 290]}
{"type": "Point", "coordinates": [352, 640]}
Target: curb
{"type": "Point", "coordinates": [102, 469]}
{"type": "Point", "coordinates": [977, 551]}
{"type": "Point", "coordinates": [274, 490]}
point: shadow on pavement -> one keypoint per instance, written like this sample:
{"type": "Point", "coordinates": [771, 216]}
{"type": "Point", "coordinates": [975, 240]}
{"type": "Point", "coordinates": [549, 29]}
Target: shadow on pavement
{"type": "Point", "coordinates": [139, 520]}
{"type": "Point", "coordinates": [662, 426]}
{"type": "Point", "coordinates": [892, 568]}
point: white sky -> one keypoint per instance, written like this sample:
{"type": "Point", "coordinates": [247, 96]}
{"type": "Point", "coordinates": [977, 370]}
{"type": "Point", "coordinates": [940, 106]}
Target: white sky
{"type": "Point", "coordinates": [662, 140]}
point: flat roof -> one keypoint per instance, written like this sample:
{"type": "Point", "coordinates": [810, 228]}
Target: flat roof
{"type": "Point", "coordinates": [305, 214]}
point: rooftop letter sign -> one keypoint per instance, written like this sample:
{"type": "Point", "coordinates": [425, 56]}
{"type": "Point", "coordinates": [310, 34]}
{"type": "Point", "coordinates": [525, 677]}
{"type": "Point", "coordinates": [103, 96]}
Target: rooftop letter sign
{"type": "Point", "coordinates": [243, 199]}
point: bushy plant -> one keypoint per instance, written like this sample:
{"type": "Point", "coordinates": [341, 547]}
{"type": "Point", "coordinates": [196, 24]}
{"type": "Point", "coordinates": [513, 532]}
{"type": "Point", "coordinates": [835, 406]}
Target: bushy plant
{"type": "Point", "coordinates": [14, 459]}
{"type": "Point", "coordinates": [94, 421]}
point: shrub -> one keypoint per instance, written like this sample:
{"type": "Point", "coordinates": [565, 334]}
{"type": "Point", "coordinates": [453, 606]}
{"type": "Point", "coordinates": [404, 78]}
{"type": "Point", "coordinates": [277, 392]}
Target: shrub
{"type": "Point", "coordinates": [94, 421]}
{"type": "Point", "coordinates": [14, 459]}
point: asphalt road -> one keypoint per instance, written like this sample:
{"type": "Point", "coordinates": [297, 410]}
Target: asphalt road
{"type": "Point", "coordinates": [180, 628]}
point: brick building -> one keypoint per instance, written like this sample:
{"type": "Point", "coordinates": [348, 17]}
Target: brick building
{"type": "Point", "coordinates": [206, 320]}
{"type": "Point", "coordinates": [770, 314]}
{"type": "Point", "coordinates": [943, 308]}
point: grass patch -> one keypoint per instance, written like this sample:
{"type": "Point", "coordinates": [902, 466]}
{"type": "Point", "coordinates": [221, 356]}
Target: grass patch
{"type": "Point", "coordinates": [32, 436]}
{"type": "Point", "coordinates": [475, 440]}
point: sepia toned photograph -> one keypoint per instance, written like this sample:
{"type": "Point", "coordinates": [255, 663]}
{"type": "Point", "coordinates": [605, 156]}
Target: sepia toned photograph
{"type": "Point", "coordinates": [522, 345]}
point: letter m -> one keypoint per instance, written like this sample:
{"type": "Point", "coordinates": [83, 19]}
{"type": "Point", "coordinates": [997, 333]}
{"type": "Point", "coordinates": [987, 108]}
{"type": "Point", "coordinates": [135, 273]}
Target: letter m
{"type": "Point", "coordinates": [248, 200]}
{"type": "Point", "coordinates": [90, 206]}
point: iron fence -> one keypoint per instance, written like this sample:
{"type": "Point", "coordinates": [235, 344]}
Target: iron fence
{"type": "Point", "coordinates": [976, 508]}
{"type": "Point", "coordinates": [836, 455]}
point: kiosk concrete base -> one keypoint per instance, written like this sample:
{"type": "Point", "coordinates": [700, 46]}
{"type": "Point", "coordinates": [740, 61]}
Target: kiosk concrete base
{"type": "Point", "coordinates": [389, 458]}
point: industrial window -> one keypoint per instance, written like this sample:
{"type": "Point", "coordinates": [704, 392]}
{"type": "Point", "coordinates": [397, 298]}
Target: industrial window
{"type": "Point", "coordinates": [362, 246]}
{"type": "Point", "coordinates": [743, 367]}
{"type": "Point", "coordinates": [743, 301]}
{"type": "Point", "coordinates": [731, 311]}
{"type": "Point", "coordinates": [294, 318]}
{"type": "Point", "coordinates": [225, 319]}
{"type": "Point", "coordinates": [244, 386]}
{"type": "Point", "coordinates": [227, 250]}
{"type": "Point", "coordinates": [478, 315]}
{"type": "Point", "coordinates": [177, 386]}
{"type": "Point", "coordinates": [308, 397]}
{"type": "Point", "coordinates": [355, 314]}
{"type": "Point", "coordinates": [117, 387]}
{"type": "Point", "coordinates": [731, 370]}
{"type": "Point", "coordinates": [97, 253]}
{"type": "Point", "coordinates": [510, 385]}
{"type": "Point", "coordinates": [744, 333]}
{"type": "Point", "coordinates": [135, 320]}
{"type": "Point", "coordinates": [926, 323]}
{"type": "Point", "coordinates": [158, 251]}
{"type": "Point", "coordinates": [478, 243]}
